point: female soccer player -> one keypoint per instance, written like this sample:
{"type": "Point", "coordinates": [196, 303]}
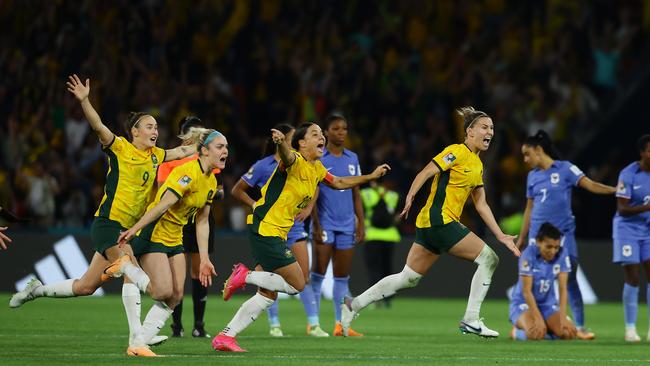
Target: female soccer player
{"type": "Point", "coordinates": [457, 172]}
{"type": "Point", "coordinates": [188, 191]}
{"type": "Point", "coordinates": [334, 230]}
{"type": "Point", "coordinates": [257, 176]}
{"type": "Point", "coordinates": [129, 183]}
{"type": "Point", "coordinates": [289, 190]}
{"type": "Point", "coordinates": [631, 232]}
{"type": "Point", "coordinates": [548, 190]}
{"type": "Point", "coordinates": [534, 308]}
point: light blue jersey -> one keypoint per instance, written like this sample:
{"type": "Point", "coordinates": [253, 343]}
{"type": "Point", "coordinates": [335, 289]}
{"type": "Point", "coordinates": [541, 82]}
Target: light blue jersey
{"type": "Point", "coordinates": [633, 184]}
{"type": "Point", "coordinates": [544, 274]}
{"type": "Point", "coordinates": [336, 207]}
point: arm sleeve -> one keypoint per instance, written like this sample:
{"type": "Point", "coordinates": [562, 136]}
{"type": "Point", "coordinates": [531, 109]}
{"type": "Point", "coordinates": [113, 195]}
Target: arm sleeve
{"type": "Point", "coordinates": [117, 145]}
{"type": "Point", "coordinates": [447, 158]}
{"type": "Point", "coordinates": [179, 180]}
{"type": "Point", "coordinates": [565, 261]}
{"type": "Point", "coordinates": [252, 176]}
{"type": "Point", "coordinates": [525, 264]}
{"type": "Point", "coordinates": [624, 187]}
{"type": "Point", "coordinates": [529, 187]}
{"type": "Point", "coordinates": [323, 174]}
{"type": "Point", "coordinates": [574, 173]}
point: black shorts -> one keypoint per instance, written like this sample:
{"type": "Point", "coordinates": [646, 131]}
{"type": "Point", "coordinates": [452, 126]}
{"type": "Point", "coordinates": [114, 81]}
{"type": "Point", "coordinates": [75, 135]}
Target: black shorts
{"type": "Point", "coordinates": [189, 237]}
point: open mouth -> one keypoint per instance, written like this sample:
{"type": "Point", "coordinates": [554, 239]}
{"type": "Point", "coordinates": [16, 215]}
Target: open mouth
{"type": "Point", "coordinates": [153, 139]}
{"type": "Point", "coordinates": [486, 141]}
{"type": "Point", "coordinates": [320, 146]}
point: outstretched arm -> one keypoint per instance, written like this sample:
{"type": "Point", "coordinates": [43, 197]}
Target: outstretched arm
{"type": "Point", "coordinates": [478, 196]}
{"type": "Point", "coordinates": [168, 200]}
{"type": "Point", "coordinates": [427, 172]}
{"type": "Point", "coordinates": [81, 92]}
{"type": "Point", "coordinates": [286, 156]}
{"type": "Point", "coordinates": [356, 180]}
{"type": "Point", "coordinates": [180, 152]}
{"type": "Point", "coordinates": [595, 187]}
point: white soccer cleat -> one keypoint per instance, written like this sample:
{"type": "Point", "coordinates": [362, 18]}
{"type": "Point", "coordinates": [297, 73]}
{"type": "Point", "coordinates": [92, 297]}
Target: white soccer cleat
{"type": "Point", "coordinates": [347, 315]}
{"type": "Point", "coordinates": [157, 340]}
{"type": "Point", "coordinates": [477, 327]}
{"type": "Point", "coordinates": [25, 295]}
{"type": "Point", "coordinates": [632, 336]}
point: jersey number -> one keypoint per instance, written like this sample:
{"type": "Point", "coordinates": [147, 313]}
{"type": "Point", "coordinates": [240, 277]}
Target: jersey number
{"type": "Point", "coordinates": [544, 286]}
{"type": "Point", "coordinates": [646, 200]}
{"type": "Point", "coordinates": [543, 190]}
{"type": "Point", "coordinates": [145, 178]}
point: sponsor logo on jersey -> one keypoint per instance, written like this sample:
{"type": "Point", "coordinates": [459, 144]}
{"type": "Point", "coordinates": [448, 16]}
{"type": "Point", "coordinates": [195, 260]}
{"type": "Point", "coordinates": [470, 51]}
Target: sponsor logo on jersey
{"type": "Point", "coordinates": [184, 181]}
{"type": "Point", "coordinates": [449, 158]}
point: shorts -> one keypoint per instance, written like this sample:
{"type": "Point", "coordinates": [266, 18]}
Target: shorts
{"type": "Point", "coordinates": [296, 233]}
{"type": "Point", "coordinates": [516, 309]}
{"type": "Point", "coordinates": [631, 251]}
{"type": "Point", "coordinates": [441, 238]}
{"type": "Point", "coordinates": [568, 241]}
{"type": "Point", "coordinates": [143, 246]}
{"type": "Point", "coordinates": [189, 237]}
{"type": "Point", "coordinates": [339, 239]}
{"type": "Point", "coordinates": [270, 252]}
{"type": "Point", "coordinates": [104, 234]}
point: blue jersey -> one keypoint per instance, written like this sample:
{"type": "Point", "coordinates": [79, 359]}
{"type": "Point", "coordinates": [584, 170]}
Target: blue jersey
{"type": "Point", "coordinates": [633, 184]}
{"type": "Point", "coordinates": [335, 206]}
{"type": "Point", "coordinates": [543, 273]}
{"type": "Point", "coordinates": [258, 175]}
{"type": "Point", "coordinates": [550, 190]}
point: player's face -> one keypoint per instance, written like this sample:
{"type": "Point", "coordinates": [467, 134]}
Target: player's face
{"type": "Point", "coordinates": [337, 132]}
{"type": "Point", "coordinates": [481, 133]}
{"type": "Point", "coordinates": [146, 131]}
{"type": "Point", "coordinates": [531, 155]}
{"type": "Point", "coordinates": [218, 152]}
{"type": "Point", "coordinates": [548, 248]}
{"type": "Point", "coordinates": [313, 142]}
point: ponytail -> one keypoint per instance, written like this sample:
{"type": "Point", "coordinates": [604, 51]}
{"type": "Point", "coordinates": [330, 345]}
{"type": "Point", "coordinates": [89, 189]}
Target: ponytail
{"type": "Point", "coordinates": [543, 140]}
{"type": "Point", "coordinates": [195, 135]}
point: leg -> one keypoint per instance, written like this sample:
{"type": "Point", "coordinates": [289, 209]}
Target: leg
{"type": "Point", "coordinates": [575, 295]}
{"type": "Point", "coordinates": [341, 265]}
{"type": "Point", "coordinates": [533, 326]}
{"type": "Point", "coordinates": [322, 254]}
{"type": "Point", "coordinates": [631, 274]}
{"type": "Point", "coordinates": [299, 250]}
{"type": "Point", "coordinates": [199, 296]}
{"type": "Point", "coordinates": [554, 324]}
{"type": "Point", "coordinates": [177, 316]}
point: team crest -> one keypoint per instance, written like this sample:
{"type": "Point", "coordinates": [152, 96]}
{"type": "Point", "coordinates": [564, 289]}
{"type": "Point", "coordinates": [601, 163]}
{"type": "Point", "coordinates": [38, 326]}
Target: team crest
{"type": "Point", "coordinates": [556, 269]}
{"type": "Point", "coordinates": [555, 178]}
{"type": "Point", "coordinates": [449, 158]}
{"type": "Point", "coordinates": [621, 188]}
{"type": "Point", "coordinates": [525, 266]}
{"type": "Point", "coordinates": [351, 169]}
{"type": "Point", "coordinates": [154, 159]}
{"type": "Point", "coordinates": [288, 254]}
{"type": "Point", "coordinates": [184, 181]}
{"type": "Point", "coordinates": [249, 174]}
{"type": "Point", "coordinates": [627, 250]}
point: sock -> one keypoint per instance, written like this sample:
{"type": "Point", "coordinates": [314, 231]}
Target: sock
{"type": "Point", "coordinates": [316, 286]}
{"type": "Point", "coordinates": [630, 304]}
{"type": "Point", "coordinates": [270, 281]}
{"type": "Point", "coordinates": [137, 276]}
{"type": "Point", "coordinates": [309, 303]}
{"type": "Point", "coordinates": [386, 287]}
{"type": "Point", "coordinates": [487, 262]}
{"type": "Point", "coordinates": [132, 305]}
{"type": "Point", "coordinates": [274, 314]}
{"type": "Point", "coordinates": [520, 335]}
{"type": "Point", "coordinates": [59, 289]}
{"type": "Point", "coordinates": [177, 315]}
{"type": "Point", "coordinates": [199, 300]}
{"type": "Point", "coordinates": [575, 296]}
{"type": "Point", "coordinates": [247, 313]}
{"type": "Point", "coordinates": [153, 322]}
{"type": "Point", "coordinates": [341, 290]}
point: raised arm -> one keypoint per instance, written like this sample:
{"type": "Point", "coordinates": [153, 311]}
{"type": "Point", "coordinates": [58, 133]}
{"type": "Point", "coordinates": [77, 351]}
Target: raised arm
{"type": "Point", "coordinates": [166, 201]}
{"type": "Point", "coordinates": [239, 192]}
{"type": "Point", "coordinates": [595, 187]}
{"type": "Point", "coordinates": [625, 209]}
{"type": "Point", "coordinates": [525, 225]}
{"type": "Point", "coordinates": [81, 92]}
{"type": "Point", "coordinates": [427, 172]}
{"type": "Point", "coordinates": [478, 196]}
{"type": "Point", "coordinates": [356, 180]}
{"type": "Point", "coordinates": [206, 268]}
{"type": "Point", "coordinates": [180, 152]}
{"type": "Point", "coordinates": [286, 156]}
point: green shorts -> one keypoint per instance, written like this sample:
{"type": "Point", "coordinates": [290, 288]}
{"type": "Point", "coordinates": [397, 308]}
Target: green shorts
{"type": "Point", "coordinates": [270, 252]}
{"type": "Point", "coordinates": [143, 246]}
{"type": "Point", "coordinates": [439, 239]}
{"type": "Point", "coordinates": [104, 234]}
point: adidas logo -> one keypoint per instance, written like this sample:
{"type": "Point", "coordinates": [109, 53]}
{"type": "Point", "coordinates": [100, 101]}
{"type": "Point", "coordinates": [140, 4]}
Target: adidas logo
{"type": "Point", "coordinates": [71, 263]}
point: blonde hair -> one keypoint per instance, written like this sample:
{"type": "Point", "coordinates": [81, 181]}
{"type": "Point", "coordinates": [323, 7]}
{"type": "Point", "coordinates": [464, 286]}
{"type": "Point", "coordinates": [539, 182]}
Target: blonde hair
{"type": "Point", "coordinates": [470, 115]}
{"type": "Point", "coordinates": [195, 135]}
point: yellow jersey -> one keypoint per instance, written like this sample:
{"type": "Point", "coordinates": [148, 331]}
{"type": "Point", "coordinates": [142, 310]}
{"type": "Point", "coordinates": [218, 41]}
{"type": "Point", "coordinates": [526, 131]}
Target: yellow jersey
{"type": "Point", "coordinates": [288, 191]}
{"type": "Point", "coordinates": [130, 181]}
{"type": "Point", "coordinates": [461, 171]}
{"type": "Point", "coordinates": [194, 190]}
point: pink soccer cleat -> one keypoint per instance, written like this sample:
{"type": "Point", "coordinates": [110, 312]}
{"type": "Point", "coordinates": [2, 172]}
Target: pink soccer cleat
{"type": "Point", "coordinates": [236, 280]}
{"type": "Point", "coordinates": [225, 343]}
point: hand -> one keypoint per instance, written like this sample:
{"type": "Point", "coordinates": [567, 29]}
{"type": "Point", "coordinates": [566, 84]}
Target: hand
{"type": "Point", "coordinates": [360, 234]}
{"type": "Point", "coordinates": [568, 330]}
{"type": "Point", "coordinates": [317, 235]}
{"type": "Point", "coordinates": [4, 238]}
{"type": "Point", "coordinates": [303, 214]}
{"type": "Point", "coordinates": [509, 241]}
{"type": "Point", "coordinates": [380, 171]}
{"type": "Point", "coordinates": [206, 271]}
{"type": "Point", "coordinates": [521, 243]}
{"type": "Point", "coordinates": [277, 136]}
{"type": "Point", "coordinates": [538, 329]}
{"type": "Point", "coordinates": [407, 206]}
{"type": "Point", "coordinates": [125, 237]}
{"type": "Point", "coordinates": [79, 90]}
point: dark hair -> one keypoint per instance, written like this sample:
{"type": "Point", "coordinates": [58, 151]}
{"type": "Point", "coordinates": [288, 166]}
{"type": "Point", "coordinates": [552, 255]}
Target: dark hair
{"type": "Point", "coordinates": [333, 118]}
{"type": "Point", "coordinates": [548, 231]}
{"type": "Point", "coordinates": [131, 121]}
{"type": "Point", "coordinates": [470, 115]}
{"type": "Point", "coordinates": [643, 142]}
{"type": "Point", "coordinates": [269, 146]}
{"type": "Point", "coordinates": [186, 122]}
{"type": "Point", "coordinates": [542, 139]}
{"type": "Point", "coordinates": [300, 133]}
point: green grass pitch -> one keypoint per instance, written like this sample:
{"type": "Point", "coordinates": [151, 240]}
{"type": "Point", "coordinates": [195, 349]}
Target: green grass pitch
{"type": "Point", "coordinates": [93, 331]}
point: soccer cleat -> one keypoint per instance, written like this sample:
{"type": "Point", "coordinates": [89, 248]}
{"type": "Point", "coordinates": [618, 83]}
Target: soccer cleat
{"type": "Point", "coordinates": [225, 343]}
{"type": "Point", "coordinates": [276, 331]}
{"type": "Point", "coordinates": [347, 315]}
{"type": "Point", "coordinates": [477, 327]}
{"type": "Point", "coordinates": [25, 295]}
{"type": "Point", "coordinates": [585, 335]}
{"type": "Point", "coordinates": [200, 332]}
{"type": "Point", "coordinates": [631, 335]}
{"type": "Point", "coordinates": [115, 269]}
{"type": "Point", "coordinates": [236, 280]}
{"type": "Point", "coordinates": [177, 330]}
{"type": "Point", "coordinates": [140, 352]}
{"type": "Point", "coordinates": [338, 331]}
{"type": "Point", "coordinates": [316, 331]}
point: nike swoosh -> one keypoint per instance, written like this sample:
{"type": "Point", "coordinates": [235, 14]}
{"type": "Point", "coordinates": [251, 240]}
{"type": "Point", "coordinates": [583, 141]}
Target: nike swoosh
{"type": "Point", "coordinates": [466, 170]}
{"type": "Point", "coordinates": [636, 187]}
{"type": "Point", "coordinates": [328, 169]}
{"type": "Point", "coordinates": [137, 303]}
{"type": "Point", "coordinates": [478, 330]}
{"type": "Point", "coordinates": [486, 284]}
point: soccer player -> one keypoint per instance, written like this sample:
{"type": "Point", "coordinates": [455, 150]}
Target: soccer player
{"type": "Point", "coordinates": [290, 189]}
{"type": "Point", "coordinates": [257, 176]}
{"type": "Point", "coordinates": [187, 192]}
{"type": "Point", "coordinates": [199, 292]}
{"type": "Point", "coordinates": [631, 233]}
{"type": "Point", "coordinates": [338, 221]}
{"type": "Point", "coordinates": [457, 173]}
{"type": "Point", "coordinates": [548, 192]}
{"type": "Point", "coordinates": [534, 308]}
{"type": "Point", "coordinates": [129, 184]}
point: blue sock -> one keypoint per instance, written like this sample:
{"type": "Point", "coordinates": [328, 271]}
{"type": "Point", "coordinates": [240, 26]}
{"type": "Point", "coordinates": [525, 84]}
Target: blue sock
{"type": "Point", "coordinates": [575, 296]}
{"type": "Point", "coordinates": [630, 304]}
{"type": "Point", "coordinates": [520, 335]}
{"type": "Point", "coordinates": [309, 303]}
{"type": "Point", "coordinates": [340, 290]}
{"type": "Point", "coordinates": [316, 284]}
{"type": "Point", "coordinates": [274, 314]}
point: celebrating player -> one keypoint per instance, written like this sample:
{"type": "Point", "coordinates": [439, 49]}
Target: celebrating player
{"type": "Point", "coordinates": [457, 172]}
{"type": "Point", "coordinates": [631, 232]}
{"type": "Point", "coordinates": [548, 190]}
{"type": "Point", "coordinates": [289, 190]}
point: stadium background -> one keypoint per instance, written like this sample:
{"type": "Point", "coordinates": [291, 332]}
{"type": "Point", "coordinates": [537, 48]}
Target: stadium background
{"type": "Point", "coordinates": [396, 70]}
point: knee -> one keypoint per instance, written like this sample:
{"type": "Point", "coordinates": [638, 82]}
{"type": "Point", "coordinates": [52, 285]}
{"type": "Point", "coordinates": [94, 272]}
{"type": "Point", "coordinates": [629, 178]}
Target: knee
{"type": "Point", "coordinates": [409, 277]}
{"type": "Point", "coordinates": [161, 293]}
{"type": "Point", "coordinates": [85, 290]}
{"type": "Point", "coordinates": [298, 286]}
{"type": "Point", "coordinates": [268, 294]}
{"type": "Point", "coordinates": [491, 258]}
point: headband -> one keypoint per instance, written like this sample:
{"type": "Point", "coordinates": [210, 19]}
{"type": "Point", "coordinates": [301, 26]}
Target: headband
{"type": "Point", "coordinates": [213, 135]}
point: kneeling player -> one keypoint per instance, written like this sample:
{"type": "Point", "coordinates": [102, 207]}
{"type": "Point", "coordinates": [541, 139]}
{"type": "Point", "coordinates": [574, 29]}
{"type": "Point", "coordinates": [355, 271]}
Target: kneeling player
{"type": "Point", "coordinates": [534, 308]}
